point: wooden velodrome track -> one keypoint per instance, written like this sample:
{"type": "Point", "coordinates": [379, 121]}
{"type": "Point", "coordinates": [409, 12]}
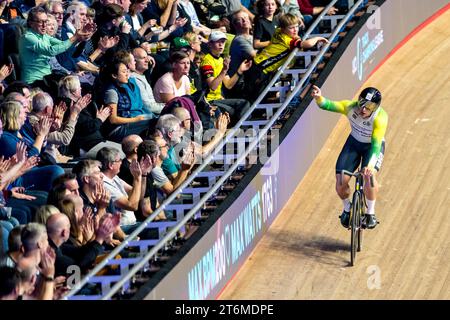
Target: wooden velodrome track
{"type": "Point", "coordinates": [305, 255]}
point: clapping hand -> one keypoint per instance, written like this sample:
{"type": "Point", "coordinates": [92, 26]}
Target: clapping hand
{"type": "Point", "coordinates": [135, 169]}
{"type": "Point", "coordinates": [87, 224]}
{"type": "Point", "coordinates": [146, 164]}
{"type": "Point", "coordinates": [86, 32]}
{"type": "Point", "coordinates": [5, 71]}
{"type": "Point", "coordinates": [107, 226]}
{"type": "Point", "coordinates": [60, 288]}
{"type": "Point", "coordinates": [58, 115]}
{"type": "Point", "coordinates": [106, 42]}
{"type": "Point", "coordinates": [101, 196]}
{"type": "Point", "coordinates": [29, 164]}
{"type": "Point", "coordinates": [226, 64]}
{"type": "Point", "coordinates": [59, 110]}
{"type": "Point", "coordinates": [42, 128]}
{"type": "Point", "coordinates": [125, 27]}
{"type": "Point", "coordinates": [4, 164]}
{"type": "Point", "coordinates": [188, 160]}
{"type": "Point", "coordinates": [222, 122]}
{"type": "Point", "coordinates": [82, 103]}
{"type": "Point", "coordinates": [21, 152]}
{"type": "Point", "coordinates": [104, 113]}
{"type": "Point", "coordinates": [47, 264]}
{"type": "Point", "coordinates": [245, 66]}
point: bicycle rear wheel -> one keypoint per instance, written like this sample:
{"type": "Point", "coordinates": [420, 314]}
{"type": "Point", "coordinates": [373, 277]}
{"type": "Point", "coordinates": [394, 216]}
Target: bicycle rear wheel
{"type": "Point", "coordinates": [355, 221]}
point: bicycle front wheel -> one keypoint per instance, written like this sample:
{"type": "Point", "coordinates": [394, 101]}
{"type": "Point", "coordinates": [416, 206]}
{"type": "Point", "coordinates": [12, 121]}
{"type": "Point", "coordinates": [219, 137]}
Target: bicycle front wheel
{"type": "Point", "coordinates": [355, 223]}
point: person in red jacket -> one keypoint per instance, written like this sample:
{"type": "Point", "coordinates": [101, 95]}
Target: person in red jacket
{"type": "Point", "coordinates": [315, 7]}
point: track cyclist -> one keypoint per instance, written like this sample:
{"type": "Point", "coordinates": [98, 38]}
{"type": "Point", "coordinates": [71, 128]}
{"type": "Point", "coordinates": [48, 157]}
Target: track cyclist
{"type": "Point", "coordinates": [368, 121]}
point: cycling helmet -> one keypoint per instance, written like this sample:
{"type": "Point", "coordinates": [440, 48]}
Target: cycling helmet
{"type": "Point", "coordinates": [370, 98]}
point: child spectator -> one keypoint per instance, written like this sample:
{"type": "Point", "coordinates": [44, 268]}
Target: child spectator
{"type": "Point", "coordinates": [266, 22]}
{"type": "Point", "coordinates": [214, 69]}
{"type": "Point", "coordinates": [274, 55]}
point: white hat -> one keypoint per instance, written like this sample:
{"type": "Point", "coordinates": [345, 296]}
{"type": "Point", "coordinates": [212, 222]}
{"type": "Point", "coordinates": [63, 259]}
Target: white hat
{"type": "Point", "coordinates": [217, 35]}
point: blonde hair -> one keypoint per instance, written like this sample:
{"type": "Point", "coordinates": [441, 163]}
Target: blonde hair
{"type": "Point", "coordinates": [44, 212]}
{"type": "Point", "coordinates": [67, 86]}
{"type": "Point", "coordinates": [190, 37]}
{"type": "Point", "coordinates": [199, 57]}
{"type": "Point", "coordinates": [162, 4]}
{"type": "Point", "coordinates": [33, 92]}
{"type": "Point", "coordinates": [91, 12]}
{"type": "Point", "coordinates": [287, 20]}
{"type": "Point", "coordinates": [52, 19]}
{"type": "Point", "coordinates": [9, 114]}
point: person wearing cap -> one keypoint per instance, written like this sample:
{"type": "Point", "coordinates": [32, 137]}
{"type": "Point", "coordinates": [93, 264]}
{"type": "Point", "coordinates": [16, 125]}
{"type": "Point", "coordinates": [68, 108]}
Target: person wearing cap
{"type": "Point", "coordinates": [214, 70]}
{"type": "Point", "coordinates": [180, 44]}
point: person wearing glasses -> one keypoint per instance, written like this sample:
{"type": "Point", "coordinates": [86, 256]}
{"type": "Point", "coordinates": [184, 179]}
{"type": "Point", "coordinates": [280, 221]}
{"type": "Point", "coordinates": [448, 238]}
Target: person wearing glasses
{"type": "Point", "coordinates": [36, 47]}
{"type": "Point", "coordinates": [368, 121]}
{"type": "Point", "coordinates": [55, 8]}
{"type": "Point", "coordinates": [157, 148]}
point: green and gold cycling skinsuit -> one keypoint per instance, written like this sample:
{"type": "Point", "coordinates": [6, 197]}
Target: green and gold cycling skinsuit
{"type": "Point", "coordinates": [369, 130]}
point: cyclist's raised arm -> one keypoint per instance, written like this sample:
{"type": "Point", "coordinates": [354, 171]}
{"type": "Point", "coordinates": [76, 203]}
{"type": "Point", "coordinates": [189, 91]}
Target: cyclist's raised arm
{"type": "Point", "coordinates": [334, 106]}
{"type": "Point", "coordinates": [379, 130]}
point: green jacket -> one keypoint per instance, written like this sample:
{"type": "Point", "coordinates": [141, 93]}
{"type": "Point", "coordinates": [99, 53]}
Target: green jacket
{"type": "Point", "coordinates": [35, 50]}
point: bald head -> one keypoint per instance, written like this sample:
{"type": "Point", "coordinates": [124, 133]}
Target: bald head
{"type": "Point", "coordinates": [181, 113]}
{"type": "Point", "coordinates": [184, 116]}
{"type": "Point", "coordinates": [142, 60]}
{"type": "Point", "coordinates": [130, 144]}
{"type": "Point", "coordinates": [138, 51]}
{"type": "Point", "coordinates": [56, 224]}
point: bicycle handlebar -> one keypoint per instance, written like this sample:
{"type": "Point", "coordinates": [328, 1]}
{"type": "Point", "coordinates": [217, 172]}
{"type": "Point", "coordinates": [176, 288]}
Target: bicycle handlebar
{"type": "Point", "coordinates": [354, 174]}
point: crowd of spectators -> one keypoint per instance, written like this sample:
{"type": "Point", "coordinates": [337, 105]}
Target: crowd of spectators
{"type": "Point", "coordinates": [103, 108]}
